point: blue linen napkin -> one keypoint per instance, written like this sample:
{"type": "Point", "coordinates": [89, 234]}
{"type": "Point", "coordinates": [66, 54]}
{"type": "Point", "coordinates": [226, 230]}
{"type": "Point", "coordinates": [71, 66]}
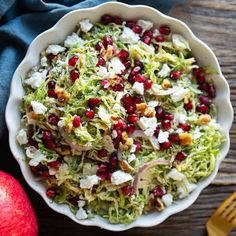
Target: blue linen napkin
{"type": "Point", "coordinates": [22, 20]}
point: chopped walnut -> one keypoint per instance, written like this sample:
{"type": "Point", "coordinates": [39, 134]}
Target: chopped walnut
{"type": "Point", "coordinates": [141, 107]}
{"type": "Point", "coordinates": [145, 110]}
{"type": "Point", "coordinates": [159, 204]}
{"type": "Point", "coordinates": [109, 51]}
{"type": "Point", "coordinates": [166, 84]}
{"type": "Point", "coordinates": [63, 150]}
{"type": "Point", "coordinates": [62, 95]}
{"type": "Point", "coordinates": [150, 112]}
{"type": "Point", "coordinates": [185, 139]}
{"type": "Point", "coordinates": [125, 166]}
{"type": "Point", "coordinates": [33, 115]}
{"type": "Point", "coordinates": [204, 119]}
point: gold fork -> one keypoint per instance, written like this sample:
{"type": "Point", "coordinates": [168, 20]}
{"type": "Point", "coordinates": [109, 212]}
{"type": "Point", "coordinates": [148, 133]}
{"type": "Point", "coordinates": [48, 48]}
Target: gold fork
{"type": "Point", "coordinates": [224, 218]}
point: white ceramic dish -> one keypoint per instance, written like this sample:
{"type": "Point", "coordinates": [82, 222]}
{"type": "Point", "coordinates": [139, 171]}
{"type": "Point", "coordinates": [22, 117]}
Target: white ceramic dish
{"type": "Point", "coordinates": [57, 34]}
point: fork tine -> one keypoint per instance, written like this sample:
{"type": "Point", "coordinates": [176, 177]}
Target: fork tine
{"type": "Point", "coordinates": [229, 209]}
{"type": "Point", "coordinates": [232, 215]}
{"type": "Point", "coordinates": [225, 204]}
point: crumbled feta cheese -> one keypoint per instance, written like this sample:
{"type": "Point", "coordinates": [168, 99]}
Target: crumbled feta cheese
{"type": "Point", "coordinates": [165, 71]}
{"type": "Point", "coordinates": [179, 118]}
{"type": "Point", "coordinates": [36, 156]}
{"type": "Point", "coordinates": [156, 32]}
{"type": "Point", "coordinates": [119, 96]}
{"type": "Point", "coordinates": [114, 134]}
{"type": "Point", "coordinates": [117, 107]}
{"type": "Point", "coordinates": [103, 72]}
{"type": "Point", "coordinates": [149, 132]}
{"type": "Point", "coordinates": [61, 123]}
{"type": "Point", "coordinates": [103, 114]}
{"type": "Point", "coordinates": [180, 42]}
{"type": "Point", "coordinates": [116, 66]}
{"type": "Point", "coordinates": [22, 137]}
{"type": "Point", "coordinates": [89, 181]}
{"type": "Point", "coordinates": [146, 122]}
{"type": "Point", "coordinates": [131, 158]}
{"type": "Point", "coordinates": [197, 133]}
{"type": "Point", "coordinates": [179, 131]}
{"type": "Point", "coordinates": [120, 177]}
{"type": "Point", "coordinates": [38, 107]}
{"type": "Point", "coordinates": [145, 24]}
{"type": "Point", "coordinates": [73, 40]}
{"type": "Point", "coordinates": [179, 94]}
{"type": "Point", "coordinates": [43, 61]}
{"type": "Point", "coordinates": [128, 36]}
{"type": "Point", "coordinates": [167, 199]}
{"type": "Point", "coordinates": [158, 91]}
{"type": "Point", "coordinates": [133, 148]}
{"type": "Point", "coordinates": [81, 214]}
{"type": "Point", "coordinates": [36, 79]}
{"type": "Point", "coordinates": [163, 136]}
{"type": "Point", "coordinates": [81, 203]}
{"type": "Point", "coordinates": [153, 104]}
{"type": "Point", "coordinates": [175, 175]}
{"type": "Point", "coordinates": [55, 49]}
{"type": "Point", "coordinates": [138, 88]}
{"type": "Point", "coordinates": [85, 25]}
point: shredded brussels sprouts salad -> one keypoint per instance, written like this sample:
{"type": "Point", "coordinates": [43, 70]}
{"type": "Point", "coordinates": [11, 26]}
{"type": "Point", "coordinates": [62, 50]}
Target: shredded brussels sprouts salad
{"type": "Point", "coordinates": [118, 120]}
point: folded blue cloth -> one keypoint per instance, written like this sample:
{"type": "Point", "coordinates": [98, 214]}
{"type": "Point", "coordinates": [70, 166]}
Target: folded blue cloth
{"type": "Point", "coordinates": [22, 20]}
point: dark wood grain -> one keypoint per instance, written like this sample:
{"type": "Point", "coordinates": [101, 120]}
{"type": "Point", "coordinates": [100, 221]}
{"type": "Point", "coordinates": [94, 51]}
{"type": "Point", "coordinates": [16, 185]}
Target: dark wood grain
{"type": "Point", "coordinates": [213, 21]}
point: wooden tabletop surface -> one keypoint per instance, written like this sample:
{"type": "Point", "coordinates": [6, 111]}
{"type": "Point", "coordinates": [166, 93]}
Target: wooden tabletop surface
{"type": "Point", "coordinates": [213, 21]}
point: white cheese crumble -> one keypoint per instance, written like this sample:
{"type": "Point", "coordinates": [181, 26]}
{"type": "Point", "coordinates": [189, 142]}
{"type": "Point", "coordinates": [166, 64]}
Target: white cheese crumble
{"type": "Point", "coordinates": [128, 36]}
{"type": "Point", "coordinates": [55, 49]}
{"type": "Point", "coordinates": [85, 25]}
{"type": "Point", "coordinates": [167, 199]}
{"type": "Point", "coordinates": [81, 203]}
{"type": "Point", "coordinates": [163, 136]}
{"type": "Point", "coordinates": [36, 156]}
{"type": "Point", "coordinates": [153, 104]}
{"type": "Point", "coordinates": [145, 24]}
{"type": "Point", "coordinates": [120, 177]}
{"type": "Point", "coordinates": [81, 214]}
{"type": "Point", "coordinates": [102, 71]}
{"type": "Point", "coordinates": [179, 118]}
{"type": "Point", "coordinates": [116, 66]}
{"type": "Point", "coordinates": [180, 42]}
{"type": "Point", "coordinates": [73, 40]}
{"type": "Point", "coordinates": [103, 114]}
{"type": "Point", "coordinates": [179, 94]}
{"type": "Point", "coordinates": [165, 71]}
{"type": "Point", "coordinates": [148, 125]}
{"type": "Point", "coordinates": [138, 88]}
{"type": "Point", "coordinates": [43, 61]}
{"type": "Point", "coordinates": [175, 175]}
{"type": "Point", "coordinates": [89, 181]}
{"type": "Point", "coordinates": [36, 79]}
{"type": "Point", "coordinates": [131, 158]}
{"type": "Point", "coordinates": [133, 148]}
{"type": "Point", "coordinates": [22, 137]}
{"type": "Point", "coordinates": [38, 107]}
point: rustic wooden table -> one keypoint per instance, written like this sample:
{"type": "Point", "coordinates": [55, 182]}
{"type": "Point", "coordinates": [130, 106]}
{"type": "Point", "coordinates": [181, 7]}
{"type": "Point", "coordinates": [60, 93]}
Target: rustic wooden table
{"type": "Point", "coordinates": [213, 21]}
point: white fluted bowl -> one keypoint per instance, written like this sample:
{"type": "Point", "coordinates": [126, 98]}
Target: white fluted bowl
{"type": "Point", "coordinates": [57, 34]}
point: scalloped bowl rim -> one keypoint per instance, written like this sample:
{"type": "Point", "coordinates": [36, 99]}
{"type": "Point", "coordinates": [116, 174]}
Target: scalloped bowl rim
{"type": "Point", "coordinates": [14, 98]}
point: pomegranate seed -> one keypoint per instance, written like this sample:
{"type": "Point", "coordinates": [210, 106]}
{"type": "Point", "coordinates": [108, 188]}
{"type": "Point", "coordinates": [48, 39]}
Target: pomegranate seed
{"type": "Point", "coordinates": [147, 84]}
{"type": "Point", "coordinates": [137, 100]}
{"type": "Point", "coordinates": [131, 79]}
{"type": "Point", "coordinates": [164, 30]}
{"type": "Point", "coordinates": [51, 84]}
{"type": "Point", "coordinates": [204, 100]}
{"type": "Point", "coordinates": [184, 127]}
{"type": "Point", "coordinates": [72, 61]}
{"type": "Point", "coordinates": [33, 143]}
{"type": "Point", "coordinates": [148, 33]}
{"type": "Point", "coordinates": [74, 201]}
{"type": "Point", "coordinates": [135, 70]}
{"type": "Point", "coordinates": [102, 153]}
{"type": "Point", "coordinates": [52, 93]}
{"type": "Point", "coordinates": [50, 144]}
{"type": "Point", "coordinates": [188, 106]}
{"type": "Point", "coordinates": [130, 129]}
{"type": "Point", "coordinates": [127, 64]}
{"type": "Point", "coordinates": [35, 170]}
{"type": "Point", "coordinates": [211, 90]}
{"type": "Point", "coordinates": [180, 156]}
{"type": "Point", "coordinates": [51, 57]}
{"type": "Point", "coordinates": [127, 190]}
{"type": "Point", "coordinates": [138, 146]}
{"type": "Point", "coordinates": [74, 75]}
{"type": "Point", "coordinates": [138, 63]}
{"type": "Point", "coordinates": [156, 46]}
{"type": "Point", "coordinates": [109, 176]}
{"type": "Point", "coordinates": [51, 193]}
{"type": "Point", "coordinates": [104, 83]}
{"type": "Point", "coordinates": [120, 124]}
{"type": "Point", "coordinates": [116, 142]}
{"type": "Point", "coordinates": [166, 124]}
{"type": "Point", "coordinates": [201, 78]}
{"type": "Point", "coordinates": [90, 113]}
{"type": "Point", "coordinates": [101, 62]}
{"type": "Point", "coordinates": [123, 54]}
{"type": "Point", "coordinates": [139, 78]}
{"type": "Point", "coordinates": [147, 40]}
{"type": "Point", "coordinates": [117, 20]}
{"type": "Point", "coordinates": [118, 87]}
{"type": "Point", "coordinates": [130, 110]}
{"type": "Point", "coordinates": [106, 19]}
{"type": "Point", "coordinates": [54, 164]}
{"type": "Point", "coordinates": [92, 102]}
{"type": "Point", "coordinates": [107, 41]}
{"type": "Point", "coordinates": [175, 75]}
{"type": "Point", "coordinates": [119, 133]}
{"type": "Point", "coordinates": [47, 135]}
{"type": "Point", "coordinates": [102, 175]}
{"type": "Point", "coordinates": [160, 39]}
{"type": "Point", "coordinates": [159, 191]}
{"type": "Point", "coordinates": [113, 160]}
{"type": "Point", "coordinates": [174, 137]}
{"type": "Point", "coordinates": [137, 29]}
{"type": "Point", "coordinates": [45, 174]}
{"type": "Point", "coordinates": [76, 121]}
{"type": "Point", "coordinates": [202, 108]}
{"type": "Point", "coordinates": [130, 23]}
{"type": "Point", "coordinates": [132, 118]}
{"type": "Point", "coordinates": [102, 167]}
{"type": "Point", "coordinates": [203, 87]}
{"type": "Point", "coordinates": [197, 71]}
{"type": "Point", "coordinates": [159, 112]}
{"type": "Point", "coordinates": [127, 100]}
{"type": "Point", "coordinates": [168, 116]}
{"type": "Point", "coordinates": [99, 46]}
{"type": "Point", "coordinates": [157, 130]}
{"type": "Point", "coordinates": [165, 145]}
{"type": "Point", "coordinates": [53, 119]}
